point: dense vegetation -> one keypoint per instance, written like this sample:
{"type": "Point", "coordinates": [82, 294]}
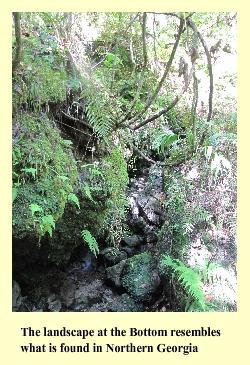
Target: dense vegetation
{"type": "Point", "coordinates": [96, 96]}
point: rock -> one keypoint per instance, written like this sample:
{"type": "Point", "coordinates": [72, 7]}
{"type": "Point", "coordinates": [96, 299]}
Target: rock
{"type": "Point", "coordinates": [55, 306]}
{"type": "Point", "coordinates": [112, 256]}
{"type": "Point", "coordinates": [114, 273]}
{"type": "Point", "coordinates": [124, 303]}
{"type": "Point", "coordinates": [132, 241]}
{"type": "Point", "coordinates": [89, 293]}
{"type": "Point", "coordinates": [67, 292]}
{"type": "Point", "coordinates": [137, 225]}
{"type": "Point", "coordinates": [151, 209]}
{"type": "Point", "coordinates": [51, 298]}
{"type": "Point", "coordinates": [138, 278]}
{"type": "Point", "coordinates": [151, 237]}
{"type": "Point", "coordinates": [16, 296]}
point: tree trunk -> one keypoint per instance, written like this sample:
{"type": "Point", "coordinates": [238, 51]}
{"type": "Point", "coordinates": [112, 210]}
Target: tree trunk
{"type": "Point", "coordinates": [17, 59]}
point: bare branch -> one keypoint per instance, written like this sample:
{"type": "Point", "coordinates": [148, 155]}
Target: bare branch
{"type": "Point", "coordinates": [76, 120]}
{"type": "Point", "coordinates": [166, 110]}
{"type": "Point", "coordinates": [152, 98]}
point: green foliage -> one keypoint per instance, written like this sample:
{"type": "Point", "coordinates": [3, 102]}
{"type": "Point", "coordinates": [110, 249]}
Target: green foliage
{"type": "Point", "coordinates": [86, 188]}
{"type": "Point", "coordinates": [110, 61]}
{"type": "Point", "coordinates": [47, 223]}
{"type": "Point", "coordinates": [35, 208]}
{"type": "Point", "coordinates": [116, 178]}
{"type": "Point", "coordinates": [74, 199]}
{"type": "Point", "coordinates": [208, 278]}
{"type": "Point", "coordinates": [91, 241]}
{"type": "Point", "coordinates": [163, 141]}
{"type": "Point", "coordinates": [44, 222]}
{"type": "Point", "coordinates": [31, 170]}
{"type": "Point", "coordinates": [100, 110]}
{"type": "Point", "coordinates": [14, 193]}
{"type": "Point", "coordinates": [41, 162]}
{"type": "Point", "coordinates": [218, 163]}
{"type": "Point", "coordinates": [184, 216]}
{"type": "Point", "coordinates": [190, 282]}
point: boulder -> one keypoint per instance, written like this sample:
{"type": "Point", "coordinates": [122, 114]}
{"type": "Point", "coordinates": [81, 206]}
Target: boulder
{"type": "Point", "coordinates": [140, 277]}
{"type": "Point", "coordinates": [114, 273]}
{"type": "Point", "coordinates": [132, 241]}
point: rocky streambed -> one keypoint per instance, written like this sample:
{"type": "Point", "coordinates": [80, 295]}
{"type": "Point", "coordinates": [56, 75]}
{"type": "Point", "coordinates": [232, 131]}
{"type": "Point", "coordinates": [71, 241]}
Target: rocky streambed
{"type": "Point", "coordinates": [120, 279]}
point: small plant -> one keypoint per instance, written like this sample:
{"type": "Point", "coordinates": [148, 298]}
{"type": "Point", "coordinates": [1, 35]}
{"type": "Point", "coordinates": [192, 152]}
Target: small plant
{"type": "Point", "coordinates": [189, 279]}
{"type": "Point", "coordinates": [193, 281]}
{"type": "Point", "coordinates": [91, 241]}
{"type": "Point", "coordinates": [164, 141]}
{"type": "Point", "coordinates": [47, 224]}
{"type": "Point", "coordinates": [74, 199]}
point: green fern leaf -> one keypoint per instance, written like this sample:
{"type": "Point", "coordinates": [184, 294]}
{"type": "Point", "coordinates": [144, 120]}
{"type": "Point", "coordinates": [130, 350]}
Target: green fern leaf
{"type": "Point", "coordinates": [35, 208]}
{"type": "Point", "coordinates": [74, 199]}
{"type": "Point", "coordinates": [31, 170]}
{"type": "Point", "coordinates": [189, 279]}
{"type": "Point", "coordinates": [47, 223]}
{"type": "Point", "coordinates": [88, 192]}
{"type": "Point", "coordinates": [91, 241]}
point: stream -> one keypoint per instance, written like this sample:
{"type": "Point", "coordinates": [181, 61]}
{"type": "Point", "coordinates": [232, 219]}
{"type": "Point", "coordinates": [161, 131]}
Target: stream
{"type": "Point", "coordinates": [114, 281]}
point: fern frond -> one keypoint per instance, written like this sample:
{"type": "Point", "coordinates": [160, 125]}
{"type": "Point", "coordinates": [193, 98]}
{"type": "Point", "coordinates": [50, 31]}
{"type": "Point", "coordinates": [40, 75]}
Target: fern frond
{"type": "Point", "coordinates": [99, 110]}
{"type": "Point", "coordinates": [91, 241]}
{"type": "Point", "coordinates": [74, 199]}
{"type": "Point", "coordinates": [88, 192]}
{"type": "Point", "coordinates": [189, 279]}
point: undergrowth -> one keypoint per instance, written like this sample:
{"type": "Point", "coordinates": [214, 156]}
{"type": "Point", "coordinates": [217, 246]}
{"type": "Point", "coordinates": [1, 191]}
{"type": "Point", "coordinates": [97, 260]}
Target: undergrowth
{"type": "Point", "coordinates": [192, 294]}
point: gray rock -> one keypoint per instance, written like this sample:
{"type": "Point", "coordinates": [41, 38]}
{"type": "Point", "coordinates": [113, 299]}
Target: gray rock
{"type": "Point", "coordinates": [114, 273]}
{"type": "Point", "coordinates": [55, 306]}
{"type": "Point", "coordinates": [16, 296]}
{"type": "Point", "coordinates": [151, 237]}
{"type": "Point", "coordinates": [133, 241]}
{"type": "Point", "coordinates": [67, 292]}
{"type": "Point", "coordinates": [112, 255]}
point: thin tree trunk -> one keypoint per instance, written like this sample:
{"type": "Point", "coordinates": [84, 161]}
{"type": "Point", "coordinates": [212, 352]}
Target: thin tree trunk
{"type": "Point", "coordinates": [18, 54]}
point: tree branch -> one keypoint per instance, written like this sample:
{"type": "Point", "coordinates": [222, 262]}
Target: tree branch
{"type": "Point", "coordinates": [152, 98]}
{"type": "Point", "coordinates": [166, 110]}
{"type": "Point", "coordinates": [76, 120]}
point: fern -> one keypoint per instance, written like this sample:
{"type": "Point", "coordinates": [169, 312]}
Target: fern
{"type": "Point", "coordinates": [91, 241]}
{"type": "Point", "coordinates": [189, 279]}
{"type": "Point", "coordinates": [86, 188]}
{"type": "Point", "coordinates": [99, 110]}
{"type": "Point", "coordinates": [35, 208]}
{"type": "Point", "coordinates": [163, 141]}
{"type": "Point", "coordinates": [47, 224]}
{"type": "Point", "coordinates": [30, 170]}
{"type": "Point", "coordinates": [217, 280]}
{"type": "Point", "coordinates": [74, 199]}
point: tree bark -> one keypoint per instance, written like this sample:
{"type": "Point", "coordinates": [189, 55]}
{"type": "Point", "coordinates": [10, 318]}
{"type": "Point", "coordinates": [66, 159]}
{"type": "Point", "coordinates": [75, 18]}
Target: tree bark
{"type": "Point", "coordinates": [17, 59]}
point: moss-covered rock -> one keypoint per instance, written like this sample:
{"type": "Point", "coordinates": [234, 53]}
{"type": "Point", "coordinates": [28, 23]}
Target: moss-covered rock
{"type": "Point", "coordinates": [138, 278]}
{"type": "Point", "coordinates": [44, 174]}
